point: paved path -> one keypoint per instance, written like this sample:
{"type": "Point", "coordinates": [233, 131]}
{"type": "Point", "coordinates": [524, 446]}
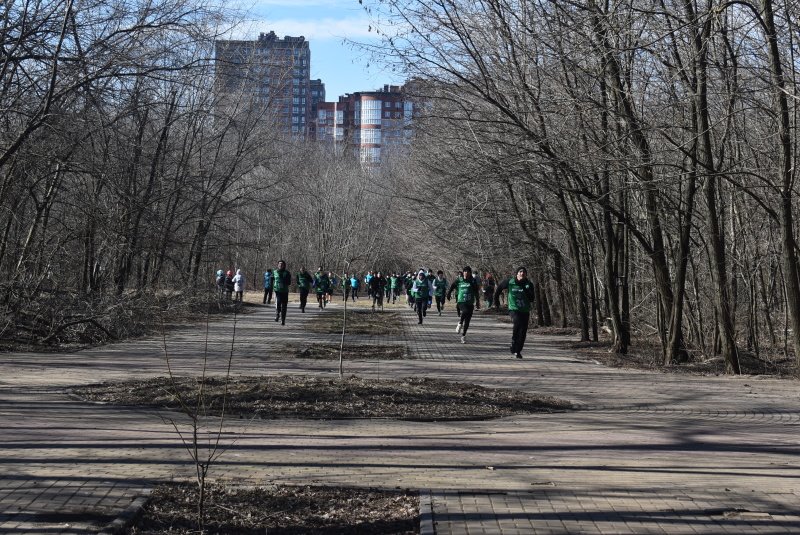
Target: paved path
{"type": "Point", "coordinates": [648, 452]}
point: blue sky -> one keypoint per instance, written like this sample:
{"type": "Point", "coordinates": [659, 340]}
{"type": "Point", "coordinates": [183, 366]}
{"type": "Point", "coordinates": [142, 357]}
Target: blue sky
{"type": "Point", "coordinates": [324, 23]}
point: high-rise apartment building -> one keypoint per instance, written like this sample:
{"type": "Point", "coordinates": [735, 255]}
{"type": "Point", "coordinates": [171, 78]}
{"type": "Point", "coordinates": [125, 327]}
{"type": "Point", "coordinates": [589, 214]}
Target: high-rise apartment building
{"type": "Point", "coordinates": [372, 123]}
{"type": "Point", "coordinates": [269, 70]}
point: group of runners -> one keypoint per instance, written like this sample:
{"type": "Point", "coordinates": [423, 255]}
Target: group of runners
{"type": "Point", "coordinates": [421, 291]}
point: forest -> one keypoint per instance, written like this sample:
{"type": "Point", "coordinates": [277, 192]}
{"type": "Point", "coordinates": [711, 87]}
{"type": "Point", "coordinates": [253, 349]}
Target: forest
{"type": "Point", "coordinates": [638, 156]}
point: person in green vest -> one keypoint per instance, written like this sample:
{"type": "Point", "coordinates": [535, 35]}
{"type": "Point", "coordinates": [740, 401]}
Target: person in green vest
{"type": "Point", "coordinates": [332, 282]}
{"type": "Point", "coordinates": [346, 285]}
{"type": "Point", "coordinates": [422, 290]}
{"type": "Point", "coordinates": [466, 288]}
{"type": "Point", "coordinates": [439, 290]}
{"type": "Point", "coordinates": [281, 280]}
{"type": "Point", "coordinates": [408, 282]}
{"type": "Point", "coordinates": [304, 282]}
{"type": "Point", "coordinates": [520, 299]}
{"type": "Point", "coordinates": [321, 283]}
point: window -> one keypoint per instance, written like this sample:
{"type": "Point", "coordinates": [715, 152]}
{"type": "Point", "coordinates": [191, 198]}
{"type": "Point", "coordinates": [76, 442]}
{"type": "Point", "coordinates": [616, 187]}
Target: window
{"type": "Point", "coordinates": [398, 104]}
{"type": "Point", "coordinates": [370, 135]}
{"type": "Point", "coordinates": [370, 116]}
{"type": "Point", "coordinates": [371, 105]}
{"type": "Point", "coordinates": [388, 104]}
{"type": "Point", "coordinates": [370, 154]}
{"type": "Point", "coordinates": [321, 115]}
{"type": "Point", "coordinates": [387, 114]}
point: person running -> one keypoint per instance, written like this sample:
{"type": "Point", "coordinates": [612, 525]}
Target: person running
{"type": "Point", "coordinates": [488, 289]}
{"type": "Point", "coordinates": [439, 290]}
{"type": "Point", "coordinates": [408, 281]}
{"type": "Point", "coordinates": [394, 287]}
{"type": "Point", "coordinates": [346, 286]}
{"type": "Point", "coordinates": [332, 282]}
{"type": "Point", "coordinates": [520, 297]}
{"type": "Point", "coordinates": [321, 283]}
{"type": "Point", "coordinates": [354, 283]}
{"type": "Point", "coordinates": [281, 280]}
{"type": "Point", "coordinates": [422, 290]}
{"type": "Point", "coordinates": [238, 286]}
{"type": "Point", "coordinates": [267, 287]}
{"type": "Point", "coordinates": [466, 288]}
{"type": "Point", "coordinates": [366, 283]}
{"type": "Point", "coordinates": [377, 285]}
{"type": "Point", "coordinates": [431, 277]}
{"type": "Point", "coordinates": [304, 282]}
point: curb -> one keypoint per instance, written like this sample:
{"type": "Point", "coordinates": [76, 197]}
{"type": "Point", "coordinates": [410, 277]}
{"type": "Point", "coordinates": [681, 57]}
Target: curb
{"type": "Point", "coordinates": [129, 515]}
{"type": "Point", "coordinates": [426, 526]}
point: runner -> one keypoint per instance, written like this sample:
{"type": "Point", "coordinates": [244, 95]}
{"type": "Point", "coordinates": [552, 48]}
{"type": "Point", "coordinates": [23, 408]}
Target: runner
{"type": "Point", "coordinates": [422, 290]}
{"type": "Point", "coordinates": [321, 283]}
{"type": "Point", "coordinates": [366, 283]}
{"type": "Point", "coordinates": [466, 289]}
{"type": "Point", "coordinates": [440, 289]}
{"type": "Point", "coordinates": [346, 286]}
{"type": "Point", "coordinates": [408, 282]}
{"type": "Point", "coordinates": [267, 287]}
{"type": "Point", "coordinates": [488, 289]}
{"type": "Point", "coordinates": [520, 297]}
{"type": "Point", "coordinates": [332, 282]}
{"type": "Point", "coordinates": [394, 283]}
{"type": "Point", "coordinates": [304, 282]}
{"type": "Point", "coordinates": [281, 280]}
{"type": "Point", "coordinates": [377, 285]}
{"type": "Point", "coordinates": [354, 283]}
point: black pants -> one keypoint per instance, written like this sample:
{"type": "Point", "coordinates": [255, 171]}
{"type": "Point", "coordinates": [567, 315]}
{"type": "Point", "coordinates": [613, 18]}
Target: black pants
{"type": "Point", "coordinates": [520, 332]}
{"type": "Point", "coordinates": [281, 301]}
{"type": "Point", "coordinates": [267, 295]}
{"type": "Point", "coordinates": [422, 304]}
{"type": "Point", "coordinates": [346, 293]}
{"type": "Point", "coordinates": [465, 310]}
{"type": "Point", "coordinates": [303, 298]}
{"type": "Point", "coordinates": [440, 303]}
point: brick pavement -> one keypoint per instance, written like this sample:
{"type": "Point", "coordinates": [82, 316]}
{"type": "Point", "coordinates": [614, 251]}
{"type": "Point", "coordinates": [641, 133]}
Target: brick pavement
{"type": "Point", "coordinates": [647, 453]}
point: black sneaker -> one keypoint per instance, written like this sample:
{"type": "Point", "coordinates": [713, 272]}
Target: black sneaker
{"type": "Point", "coordinates": [277, 319]}
{"type": "Point", "coordinates": [518, 355]}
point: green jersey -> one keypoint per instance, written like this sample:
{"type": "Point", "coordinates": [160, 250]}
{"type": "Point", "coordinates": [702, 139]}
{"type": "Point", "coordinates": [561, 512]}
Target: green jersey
{"type": "Point", "coordinates": [466, 290]}
{"type": "Point", "coordinates": [303, 280]}
{"type": "Point", "coordinates": [281, 281]}
{"type": "Point", "coordinates": [519, 295]}
{"type": "Point", "coordinates": [322, 283]}
{"type": "Point", "coordinates": [440, 286]}
{"type": "Point", "coordinates": [423, 289]}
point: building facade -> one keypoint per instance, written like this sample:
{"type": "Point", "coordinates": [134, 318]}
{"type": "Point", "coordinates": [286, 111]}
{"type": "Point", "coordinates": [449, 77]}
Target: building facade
{"type": "Point", "coordinates": [372, 124]}
{"type": "Point", "coordinates": [269, 71]}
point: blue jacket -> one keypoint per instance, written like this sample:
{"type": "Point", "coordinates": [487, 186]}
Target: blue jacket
{"type": "Point", "coordinates": [268, 280]}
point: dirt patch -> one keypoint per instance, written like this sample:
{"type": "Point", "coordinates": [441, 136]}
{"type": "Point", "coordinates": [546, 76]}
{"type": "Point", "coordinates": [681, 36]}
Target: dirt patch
{"type": "Point", "coordinates": [351, 352]}
{"type": "Point", "coordinates": [281, 510]}
{"type": "Point", "coordinates": [645, 354]}
{"type": "Point", "coordinates": [359, 321]}
{"type": "Point", "coordinates": [290, 396]}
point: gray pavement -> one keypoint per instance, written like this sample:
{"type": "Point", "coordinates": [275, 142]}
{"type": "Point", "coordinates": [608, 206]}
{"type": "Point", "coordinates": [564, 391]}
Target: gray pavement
{"type": "Point", "coordinates": [647, 453]}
